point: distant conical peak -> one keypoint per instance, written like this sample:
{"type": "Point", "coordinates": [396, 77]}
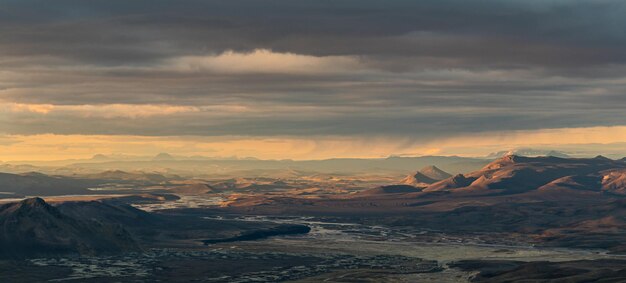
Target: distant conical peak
{"type": "Point", "coordinates": [601, 157]}
{"type": "Point", "coordinates": [434, 172]}
{"type": "Point", "coordinates": [163, 156]}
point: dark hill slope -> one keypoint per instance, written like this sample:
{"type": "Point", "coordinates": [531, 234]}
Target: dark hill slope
{"type": "Point", "coordinates": [40, 184]}
{"type": "Point", "coordinates": [33, 227]}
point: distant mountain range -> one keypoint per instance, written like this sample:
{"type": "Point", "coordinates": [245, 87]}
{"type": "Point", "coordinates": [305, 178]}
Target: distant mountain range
{"type": "Point", "coordinates": [119, 175]}
{"type": "Point", "coordinates": [199, 166]}
{"type": "Point", "coordinates": [528, 152]}
{"type": "Point", "coordinates": [40, 184]}
{"type": "Point", "coordinates": [233, 167]}
{"type": "Point", "coordinates": [195, 165]}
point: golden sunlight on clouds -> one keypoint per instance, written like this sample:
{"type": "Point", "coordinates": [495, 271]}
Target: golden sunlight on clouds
{"type": "Point", "coordinates": [34, 108]}
{"type": "Point", "coordinates": [263, 61]}
{"type": "Point", "coordinates": [55, 147]}
{"type": "Point", "coordinates": [104, 111]}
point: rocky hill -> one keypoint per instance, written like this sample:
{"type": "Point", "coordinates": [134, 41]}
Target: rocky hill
{"type": "Point", "coordinates": [33, 227]}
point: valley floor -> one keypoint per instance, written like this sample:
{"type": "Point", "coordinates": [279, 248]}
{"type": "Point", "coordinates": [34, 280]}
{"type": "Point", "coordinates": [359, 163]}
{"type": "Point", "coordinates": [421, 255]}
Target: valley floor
{"type": "Point", "coordinates": [332, 252]}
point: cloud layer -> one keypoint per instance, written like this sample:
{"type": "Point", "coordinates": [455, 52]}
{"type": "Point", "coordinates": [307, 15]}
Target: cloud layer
{"type": "Point", "coordinates": [418, 70]}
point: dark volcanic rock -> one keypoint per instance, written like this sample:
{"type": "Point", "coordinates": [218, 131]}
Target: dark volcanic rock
{"type": "Point", "coordinates": [287, 229]}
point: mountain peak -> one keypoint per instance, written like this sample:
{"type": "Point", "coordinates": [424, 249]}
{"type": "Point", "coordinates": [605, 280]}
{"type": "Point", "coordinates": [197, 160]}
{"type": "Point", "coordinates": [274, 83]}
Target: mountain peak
{"type": "Point", "coordinates": [29, 207]}
{"type": "Point", "coordinates": [163, 156]}
{"type": "Point", "coordinates": [36, 201]}
{"type": "Point", "coordinates": [435, 173]}
{"type": "Point", "coordinates": [507, 159]}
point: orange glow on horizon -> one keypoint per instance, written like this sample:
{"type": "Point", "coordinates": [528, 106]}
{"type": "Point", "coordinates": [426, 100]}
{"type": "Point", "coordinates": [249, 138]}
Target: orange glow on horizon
{"type": "Point", "coordinates": [49, 147]}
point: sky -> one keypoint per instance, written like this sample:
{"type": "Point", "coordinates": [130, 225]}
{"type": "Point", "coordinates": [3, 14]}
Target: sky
{"type": "Point", "coordinates": [310, 79]}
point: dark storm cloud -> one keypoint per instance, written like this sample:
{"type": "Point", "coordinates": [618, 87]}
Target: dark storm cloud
{"type": "Point", "coordinates": [475, 33]}
{"type": "Point", "coordinates": [421, 68]}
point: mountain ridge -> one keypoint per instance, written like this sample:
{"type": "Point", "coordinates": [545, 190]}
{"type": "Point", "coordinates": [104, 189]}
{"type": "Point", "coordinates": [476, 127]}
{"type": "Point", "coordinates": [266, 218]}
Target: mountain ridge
{"type": "Point", "coordinates": [513, 174]}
